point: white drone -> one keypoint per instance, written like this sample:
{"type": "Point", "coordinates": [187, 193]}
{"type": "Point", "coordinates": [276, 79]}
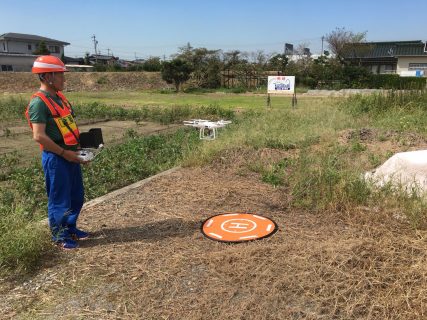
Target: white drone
{"type": "Point", "coordinates": [207, 128]}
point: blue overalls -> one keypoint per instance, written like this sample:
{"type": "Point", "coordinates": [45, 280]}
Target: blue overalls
{"type": "Point", "coordinates": [64, 187]}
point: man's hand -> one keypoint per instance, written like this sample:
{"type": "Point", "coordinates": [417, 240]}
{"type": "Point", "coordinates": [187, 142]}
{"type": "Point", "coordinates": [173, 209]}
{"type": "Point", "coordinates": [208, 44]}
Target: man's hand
{"type": "Point", "coordinates": [40, 136]}
{"type": "Point", "coordinates": [72, 156]}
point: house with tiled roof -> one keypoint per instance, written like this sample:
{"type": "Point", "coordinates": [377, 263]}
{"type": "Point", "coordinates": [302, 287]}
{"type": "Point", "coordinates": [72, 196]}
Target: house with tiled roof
{"type": "Point", "coordinates": [401, 57]}
{"type": "Point", "coordinates": [101, 59]}
{"type": "Point", "coordinates": [17, 50]}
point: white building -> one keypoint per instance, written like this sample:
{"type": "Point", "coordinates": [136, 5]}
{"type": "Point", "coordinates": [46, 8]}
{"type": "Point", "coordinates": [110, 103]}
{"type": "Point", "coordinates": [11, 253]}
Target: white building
{"type": "Point", "coordinates": [401, 57]}
{"type": "Point", "coordinates": [17, 50]}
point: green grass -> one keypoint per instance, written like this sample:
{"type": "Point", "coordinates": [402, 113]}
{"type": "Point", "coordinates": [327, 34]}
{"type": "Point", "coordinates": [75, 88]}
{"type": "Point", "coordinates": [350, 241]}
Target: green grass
{"type": "Point", "coordinates": [400, 111]}
{"type": "Point", "coordinates": [223, 100]}
{"type": "Point", "coordinates": [145, 156]}
{"type": "Point", "coordinates": [149, 105]}
{"type": "Point", "coordinates": [23, 242]}
{"type": "Point", "coordinates": [318, 171]}
{"type": "Point", "coordinates": [163, 115]}
{"type": "Point", "coordinates": [283, 128]}
{"type": "Point", "coordinates": [12, 107]}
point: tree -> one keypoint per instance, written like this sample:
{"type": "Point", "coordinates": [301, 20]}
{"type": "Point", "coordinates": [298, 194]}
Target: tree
{"type": "Point", "coordinates": [259, 58]}
{"type": "Point", "coordinates": [41, 49]}
{"type": "Point", "coordinates": [152, 64]}
{"type": "Point", "coordinates": [278, 62]}
{"type": "Point", "coordinates": [176, 71]}
{"type": "Point", "coordinates": [206, 65]}
{"type": "Point", "coordinates": [185, 52]}
{"type": "Point", "coordinates": [303, 62]}
{"type": "Point", "coordinates": [86, 58]}
{"type": "Point", "coordinates": [232, 58]}
{"type": "Point", "coordinates": [340, 41]}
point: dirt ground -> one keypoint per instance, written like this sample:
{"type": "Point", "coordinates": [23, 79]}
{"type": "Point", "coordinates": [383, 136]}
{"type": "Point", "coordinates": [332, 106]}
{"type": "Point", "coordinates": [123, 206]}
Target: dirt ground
{"type": "Point", "coordinates": [15, 82]}
{"type": "Point", "coordinates": [147, 258]}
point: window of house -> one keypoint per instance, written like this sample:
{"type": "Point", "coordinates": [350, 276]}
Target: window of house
{"type": "Point", "coordinates": [5, 67]}
{"type": "Point", "coordinates": [417, 66]}
{"type": "Point", "coordinates": [4, 46]}
{"type": "Point", "coordinates": [389, 68]}
{"type": "Point", "coordinates": [29, 47]}
{"type": "Point", "coordinates": [374, 69]}
{"type": "Point", "coordinates": [54, 49]}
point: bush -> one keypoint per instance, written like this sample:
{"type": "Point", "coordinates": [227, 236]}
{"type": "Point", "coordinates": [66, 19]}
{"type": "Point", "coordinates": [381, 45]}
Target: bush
{"type": "Point", "coordinates": [22, 243]}
{"type": "Point", "coordinates": [308, 82]}
{"type": "Point", "coordinates": [12, 108]}
{"type": "Point", "coordinates": [334, 76]}
{"type": "Point", "coordinates": [380, 103]}
{"type": "Point", "coordinates": [162, 115]}
{"type": "Point", "coordinates": [394, 81]}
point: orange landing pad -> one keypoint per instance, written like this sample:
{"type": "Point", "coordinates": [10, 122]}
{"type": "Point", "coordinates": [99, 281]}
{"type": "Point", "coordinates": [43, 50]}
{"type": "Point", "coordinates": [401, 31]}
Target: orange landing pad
{"type": "Point", "coordinates": [238, 227]}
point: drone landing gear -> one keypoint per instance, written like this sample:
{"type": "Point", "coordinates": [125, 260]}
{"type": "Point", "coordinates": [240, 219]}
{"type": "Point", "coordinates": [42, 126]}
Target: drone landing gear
{"type": "Point", "coordinates": [207, 133]}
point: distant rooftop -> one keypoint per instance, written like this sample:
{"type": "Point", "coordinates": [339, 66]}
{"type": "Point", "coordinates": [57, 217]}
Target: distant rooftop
{"type": "Point", "coordinates": [23, 36]}
{"type": "Point", "coordinates": [102, 57]}
{"type": "Point", "coordinates": [387, 49]}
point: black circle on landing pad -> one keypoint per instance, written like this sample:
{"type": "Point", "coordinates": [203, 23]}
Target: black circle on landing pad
{"type": "Point", "coordinates": [238, 227]}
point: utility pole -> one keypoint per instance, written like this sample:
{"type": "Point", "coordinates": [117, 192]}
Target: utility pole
{"type": "Point", "coordinates": [321, 54]}
{"type": "Point", "coordinates": [95, 43]}
{"type": "Point", "coordinates": [108, 52]}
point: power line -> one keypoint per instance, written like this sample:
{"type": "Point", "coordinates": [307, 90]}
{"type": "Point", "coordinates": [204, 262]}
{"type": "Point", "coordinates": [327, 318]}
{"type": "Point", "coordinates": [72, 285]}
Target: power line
{"type": "Point", "coordinates": [130, 51]}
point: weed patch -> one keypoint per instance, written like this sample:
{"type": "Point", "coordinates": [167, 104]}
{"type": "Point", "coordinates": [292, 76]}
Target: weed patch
{"type": "Point", "coordinates": [12, 107]}
{"type": "Point", "coordinates": [163, 115]}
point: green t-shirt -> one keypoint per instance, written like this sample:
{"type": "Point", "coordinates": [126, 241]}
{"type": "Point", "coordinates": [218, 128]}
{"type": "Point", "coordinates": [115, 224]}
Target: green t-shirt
{"type": "Point", "coordinates": [39, 113]}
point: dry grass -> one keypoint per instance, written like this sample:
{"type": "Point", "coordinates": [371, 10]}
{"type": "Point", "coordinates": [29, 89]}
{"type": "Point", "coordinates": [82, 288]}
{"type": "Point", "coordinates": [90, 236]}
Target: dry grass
{"type": "Point", "coordinates": [148, 259]}
{"type": "Point", "coordinates": [16, 82]}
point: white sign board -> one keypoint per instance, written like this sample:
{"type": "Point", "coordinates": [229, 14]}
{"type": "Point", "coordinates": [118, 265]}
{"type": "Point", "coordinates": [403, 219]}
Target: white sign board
{"type": "Point", "coordinates": [281, 84]}
{"type": "Point", "coordinates": [412, 73]}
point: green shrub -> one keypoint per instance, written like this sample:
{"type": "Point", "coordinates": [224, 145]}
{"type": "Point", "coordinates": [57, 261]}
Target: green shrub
{"type": "Point", "coordinates": [102, 80]}
{"type": "Point", "coordinates": [394, 81]}
{"type": "Point", "coordinates": [145, 156]}
{"type": "Point", "coordinates": [382, 102]}
{"type": "Point", "coordinates": [22, 243]}
{"type": "Point", "coordinates": [238, 90]}
{"type": "Point", "coordinates": [12, 108]}
{"type": "Point", "coordinates": [162, 115]}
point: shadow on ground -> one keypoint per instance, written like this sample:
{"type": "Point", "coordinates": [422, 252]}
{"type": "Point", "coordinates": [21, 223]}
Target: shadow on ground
{"type": "Point", "coordinates": [154, 231]}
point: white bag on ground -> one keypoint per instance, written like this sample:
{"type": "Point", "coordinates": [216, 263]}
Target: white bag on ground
{"type": "Point", "coordinates": [406, 169]}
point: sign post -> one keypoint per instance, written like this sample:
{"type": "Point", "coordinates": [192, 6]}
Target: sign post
{"type": "Point", "coordinates": [282, 85]}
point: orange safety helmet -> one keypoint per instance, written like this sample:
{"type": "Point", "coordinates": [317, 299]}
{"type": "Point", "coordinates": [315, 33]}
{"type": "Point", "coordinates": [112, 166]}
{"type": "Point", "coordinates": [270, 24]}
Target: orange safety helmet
{"type": "Point", "coordinates": [45, 64]}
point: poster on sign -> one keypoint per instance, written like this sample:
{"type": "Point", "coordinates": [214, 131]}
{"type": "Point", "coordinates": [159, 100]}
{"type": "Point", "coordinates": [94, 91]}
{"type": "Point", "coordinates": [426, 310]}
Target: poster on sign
{"type": "Point", "coordinates": [281, 85]}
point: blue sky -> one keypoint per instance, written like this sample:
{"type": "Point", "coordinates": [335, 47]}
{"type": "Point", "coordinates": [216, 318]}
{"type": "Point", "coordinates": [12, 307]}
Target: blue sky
{"type": "Point", "coordinates": [144, 28]}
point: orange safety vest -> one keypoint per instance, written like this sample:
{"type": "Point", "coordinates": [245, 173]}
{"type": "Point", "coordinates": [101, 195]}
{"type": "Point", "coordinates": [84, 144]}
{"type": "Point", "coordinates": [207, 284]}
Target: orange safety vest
{"type": "Point", "coordinates": [63, 117]}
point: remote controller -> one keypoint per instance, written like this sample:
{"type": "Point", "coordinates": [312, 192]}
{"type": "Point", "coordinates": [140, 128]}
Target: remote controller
{"type": "Point", "coordinates": [86, 155]}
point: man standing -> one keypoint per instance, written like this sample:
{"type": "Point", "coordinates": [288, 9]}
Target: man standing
{"type": "Point", "coordinates": [51, 118]}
